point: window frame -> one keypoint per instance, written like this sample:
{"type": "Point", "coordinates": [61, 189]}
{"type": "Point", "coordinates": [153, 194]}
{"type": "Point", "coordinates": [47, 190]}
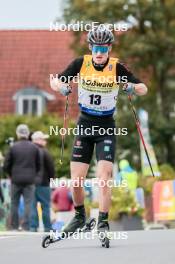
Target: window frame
{"type": "Point", "coordinates": [29, 97]}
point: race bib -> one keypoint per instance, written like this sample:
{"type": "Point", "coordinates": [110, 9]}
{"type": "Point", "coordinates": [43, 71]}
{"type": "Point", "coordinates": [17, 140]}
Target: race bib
{"type": "Point", "coordinates": [97, 90]}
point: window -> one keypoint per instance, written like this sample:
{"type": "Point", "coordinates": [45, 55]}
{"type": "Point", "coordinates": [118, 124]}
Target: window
{"type": "Point", "coordinates": [30, 105]}
{"type": "Point", "coordinates": [31, 101]}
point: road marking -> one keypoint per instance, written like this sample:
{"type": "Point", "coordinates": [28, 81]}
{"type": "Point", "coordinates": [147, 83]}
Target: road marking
{"type": "Point", "coordinates": [1, 237]}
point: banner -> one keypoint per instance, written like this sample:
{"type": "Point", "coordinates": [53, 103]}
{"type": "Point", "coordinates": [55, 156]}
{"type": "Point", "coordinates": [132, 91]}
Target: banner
{"type": "Point", "coordinates": [164, 200]}
{"type": "Point", "coordinates": [146, 171]}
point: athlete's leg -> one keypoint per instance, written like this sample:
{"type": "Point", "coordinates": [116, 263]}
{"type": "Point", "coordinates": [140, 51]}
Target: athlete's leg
{"type": "Point", "coordinates": [78, 174]}
{"type": "Point", "coordinates": [104, 174]}
{"type": "Point", "coordinates": [105, 152]}
{"type": "Point", "coordinates": [81, 156]}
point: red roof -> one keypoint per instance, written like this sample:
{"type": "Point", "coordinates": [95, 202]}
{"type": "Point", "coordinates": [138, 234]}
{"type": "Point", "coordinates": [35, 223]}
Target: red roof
{"type": "Point", "coordinates": [27, 58]}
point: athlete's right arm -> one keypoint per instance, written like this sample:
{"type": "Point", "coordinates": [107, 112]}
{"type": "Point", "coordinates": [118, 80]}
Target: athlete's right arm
{"type": "Point", "coordinates": [61, 82]}
{"type": "Point", "coordinates": [58, 86]}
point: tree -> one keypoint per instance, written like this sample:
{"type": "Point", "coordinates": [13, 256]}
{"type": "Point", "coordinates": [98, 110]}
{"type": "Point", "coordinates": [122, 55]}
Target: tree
{"type": "Point", "coordinates": [150, 45]}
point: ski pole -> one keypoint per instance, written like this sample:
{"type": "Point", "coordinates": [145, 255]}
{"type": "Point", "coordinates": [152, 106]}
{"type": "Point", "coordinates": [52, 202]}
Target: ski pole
{"type": "Point", "coordinates": [64, 126]}
{"type": "Point", "coordinates": [140, 132]}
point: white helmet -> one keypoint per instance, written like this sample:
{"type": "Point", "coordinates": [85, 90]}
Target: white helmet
{"type": "Point", "coordinates": [100, 35]}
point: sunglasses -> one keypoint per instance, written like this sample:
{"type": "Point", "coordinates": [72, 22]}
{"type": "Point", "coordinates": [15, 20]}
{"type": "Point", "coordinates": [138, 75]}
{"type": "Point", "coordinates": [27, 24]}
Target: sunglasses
{"type": "Point", "coordinates": [101, 49]}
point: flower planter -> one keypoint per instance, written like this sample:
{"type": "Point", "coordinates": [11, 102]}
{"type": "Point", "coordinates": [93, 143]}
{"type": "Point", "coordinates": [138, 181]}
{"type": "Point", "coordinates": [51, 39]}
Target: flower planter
{"type": "Point", "coordinates": [116, 226]}
{"type": "Point", "coordinates": [133, 222]}
{"type": "Point", "coordinates": [126, 223]}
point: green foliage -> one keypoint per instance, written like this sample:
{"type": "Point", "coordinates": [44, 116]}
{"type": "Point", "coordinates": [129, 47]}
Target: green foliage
{"type": "Point", "coordinates": [123, 202]}
{"type": "Point", "coordinates": [149, 46]}
{"type": "Point", "coordinates": [147, 183]}
{"type": "Point", "coordinates": [8, 126]}
{"type": "Point", "coordinates": [167, 172]}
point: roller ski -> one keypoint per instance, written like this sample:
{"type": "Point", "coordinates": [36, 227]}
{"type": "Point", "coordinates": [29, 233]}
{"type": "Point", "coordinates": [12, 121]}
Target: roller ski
{"type": "Point", "coordinates": [77, 225]}
{"type": "Point", "coordinates": [103, 233]}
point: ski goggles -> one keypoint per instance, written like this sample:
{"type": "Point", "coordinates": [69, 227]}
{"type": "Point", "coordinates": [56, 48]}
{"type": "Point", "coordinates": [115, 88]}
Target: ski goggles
{"type": "Point", "coordinates": [100, 49]}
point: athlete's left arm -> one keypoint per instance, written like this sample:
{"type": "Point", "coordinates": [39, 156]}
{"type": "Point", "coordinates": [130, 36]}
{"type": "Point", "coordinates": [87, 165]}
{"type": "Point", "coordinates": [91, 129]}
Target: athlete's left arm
{"type": "Point", "coordinates": [139, 87]}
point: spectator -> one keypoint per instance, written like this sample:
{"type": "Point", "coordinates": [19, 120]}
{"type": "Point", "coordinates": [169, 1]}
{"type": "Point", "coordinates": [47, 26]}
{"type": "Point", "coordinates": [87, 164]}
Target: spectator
{"type": "Point", "coordinates": [128, 174]}
{"type": "Point", "coordinates": [22, 163]}
{"type": "Point", "coordinates": [61, 198]}
{"type": "Point", "coordinates": [88, 191]}
{"type": "Point", "coordinates": [1, 195]}
{"type": "Point", "coordinates": [1, 173]}
{"type": "Point", "coordinates": [1, 164]}
{"type": "Point", "coordinates": [42, 190]}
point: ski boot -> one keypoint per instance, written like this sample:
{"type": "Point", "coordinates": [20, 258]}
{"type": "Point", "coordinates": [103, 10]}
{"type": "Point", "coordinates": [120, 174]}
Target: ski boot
{"type": "Point", "coordinates": [77, 222]}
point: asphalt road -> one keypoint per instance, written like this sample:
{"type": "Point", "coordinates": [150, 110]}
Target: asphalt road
{"type": "Point", "coordinates": [140, 247]}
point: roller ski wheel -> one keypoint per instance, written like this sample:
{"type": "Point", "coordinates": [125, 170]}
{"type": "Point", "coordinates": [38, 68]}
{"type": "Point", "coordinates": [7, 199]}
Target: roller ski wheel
{"type": "Point", "coordinates": [105, 242]}
{"type": "Point", "coordinates": [46, 241]}
{"type": "Point", "coordinates": [104, 239]}
{"type": "Point", "coordinates": [89, 225]}
{"type": "Point", "coordinates": [103, 233]}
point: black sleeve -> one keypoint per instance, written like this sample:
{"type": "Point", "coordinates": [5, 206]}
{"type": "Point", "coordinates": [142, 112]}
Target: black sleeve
{"type": "Point", "coordinates": [8, 162]}
{"type": "Point", "coordinates": [1, 195]}
{"type": "Point", "coordinates": [38, 160]}
{"type": "Point", "coordinates": [122, 70]}
{"type": "Point", "coordinates": [71, 71]}
{"type": "Point", "coordinates": [49, 164]}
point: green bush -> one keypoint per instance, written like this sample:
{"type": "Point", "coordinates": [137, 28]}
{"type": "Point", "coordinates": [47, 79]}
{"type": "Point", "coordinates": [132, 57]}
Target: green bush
{"type": "Point", "coordinates": [147, 183]}
{"type": "Point", "coordinates": [167, 172]}
{"type": "Point", "coordinates": [8, 126]}
{"type": "Point", "coordinates": [123, 202]}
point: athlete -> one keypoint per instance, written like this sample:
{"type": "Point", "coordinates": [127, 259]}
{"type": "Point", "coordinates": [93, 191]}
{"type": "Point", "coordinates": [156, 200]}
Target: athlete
{"type": "Point", "coordinates": [99, 77]}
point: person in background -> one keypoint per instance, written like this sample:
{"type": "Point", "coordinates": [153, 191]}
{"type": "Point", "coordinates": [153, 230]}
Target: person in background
{"type": "Point", "coordinates": [88, 192]}
{"type": "Point", "coordinates": [1, 173]}
{"type": "Point", "coordinates": [62, 198]}
{"type": "Point", "coordinates": [1, 195]}
{"type": "Point", "coordinates": [128, 174]}
{"type": "Point", "coordinates": [22, 163]}
{"type": "Point", "coordinates": [1, 164]}
{"type": "Point", "coordinates": [42, 190]}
